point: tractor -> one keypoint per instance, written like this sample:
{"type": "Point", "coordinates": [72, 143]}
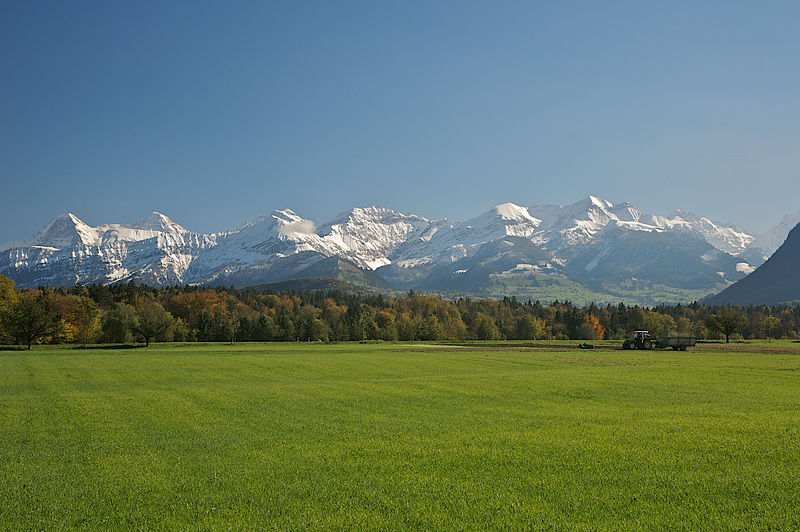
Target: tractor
{"type": "Point", "coordinates": [640, 340]}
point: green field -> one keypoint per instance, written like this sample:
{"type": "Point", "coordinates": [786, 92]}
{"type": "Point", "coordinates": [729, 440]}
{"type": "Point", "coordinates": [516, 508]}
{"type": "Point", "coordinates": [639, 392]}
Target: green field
{"type": "Point", "coordinates": [400, 437]}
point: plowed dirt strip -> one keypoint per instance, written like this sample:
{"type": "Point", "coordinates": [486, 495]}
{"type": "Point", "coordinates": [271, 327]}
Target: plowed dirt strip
{"type": "Point", "coordinates": [748, 348]}
{"type": "Point", "coordinates": [609, 345]}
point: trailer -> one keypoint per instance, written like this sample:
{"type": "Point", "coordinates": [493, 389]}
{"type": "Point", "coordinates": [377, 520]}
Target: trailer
{"type": "Point", "coordinates": [676, 342]}
{"type": "Point", "coordinates": [643, 340]}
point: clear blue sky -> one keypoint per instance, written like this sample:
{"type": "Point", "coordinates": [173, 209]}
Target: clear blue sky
{"type": "Point", "coordinates": [216, 112]}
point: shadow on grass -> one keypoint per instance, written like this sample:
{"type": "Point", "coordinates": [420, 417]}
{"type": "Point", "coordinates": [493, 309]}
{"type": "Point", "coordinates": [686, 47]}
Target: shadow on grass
{"type": "Point", "coordinates": [110, 346]}
{"type": "Point", "coordinates": [66, 346]}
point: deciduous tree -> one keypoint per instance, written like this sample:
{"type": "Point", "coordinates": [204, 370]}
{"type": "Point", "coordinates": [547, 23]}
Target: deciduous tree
{"type": "Point", "coordinates": [30, 320]}
{"type": "Point", "coordinates": [8, 298]}
{"type": "Point", "coordinates": [727, 321]}
{"type": "Point", "coordinates": [119, 323]}
{"type": "Point", "coordinates": [154, 322]}
{"type": "Point", "coordinates": [529, 328]}
{"type": "Point", "coordinates": [485, 328]}
{"type": "Point", "coordinates": [597, 328]}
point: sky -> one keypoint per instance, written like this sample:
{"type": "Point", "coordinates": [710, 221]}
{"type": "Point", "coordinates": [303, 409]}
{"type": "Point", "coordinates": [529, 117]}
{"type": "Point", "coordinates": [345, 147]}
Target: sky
{"type": "Point", "coordinates": [215, 113]}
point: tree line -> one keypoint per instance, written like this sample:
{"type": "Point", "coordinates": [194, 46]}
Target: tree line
{"type": "Point", "coordinates": [127, 313]}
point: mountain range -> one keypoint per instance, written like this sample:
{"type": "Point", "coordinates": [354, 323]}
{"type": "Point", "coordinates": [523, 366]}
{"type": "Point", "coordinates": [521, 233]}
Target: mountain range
{"type": "Point", "coordinates": [591, 250]}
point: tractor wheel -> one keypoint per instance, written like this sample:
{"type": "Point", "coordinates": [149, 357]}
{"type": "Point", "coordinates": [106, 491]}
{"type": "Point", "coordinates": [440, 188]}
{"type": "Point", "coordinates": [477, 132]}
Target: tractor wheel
{"type": "Point", "coordinates": [683, 348]}
{"type": "Point", "coordinates": [647, 344]}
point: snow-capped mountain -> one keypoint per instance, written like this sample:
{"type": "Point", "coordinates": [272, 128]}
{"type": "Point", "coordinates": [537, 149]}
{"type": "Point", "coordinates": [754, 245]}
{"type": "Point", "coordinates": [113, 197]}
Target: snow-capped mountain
{"type": "Point", "coordinates": [580, 222]}
{"type": "Point", "coordinates": [591, 241]}
{"type": "Point", "coordinates": [67, 251]}
{"type": "Point", "coordinates": [369, 236]}
{"type": "Point", "coordinates": [62, 232]}
{"type": "Point", "coordinates": [445, 242]}
{"type": "Point", "coordinates": [278, 234]}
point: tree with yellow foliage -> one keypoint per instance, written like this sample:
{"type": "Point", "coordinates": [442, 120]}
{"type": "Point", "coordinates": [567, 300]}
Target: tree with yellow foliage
{"type": "Point", "coordinates": [8, 298]}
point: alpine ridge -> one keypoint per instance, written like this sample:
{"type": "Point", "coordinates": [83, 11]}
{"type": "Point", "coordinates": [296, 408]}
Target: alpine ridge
{"type": "Point", "coordinates": [591, 245]}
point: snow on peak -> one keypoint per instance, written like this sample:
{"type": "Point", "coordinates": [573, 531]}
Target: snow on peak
{"type": "Point", "coordinates": [279, 223]}
{"type": "Point", "coordinates": [725, 237]}
{"type": "Point", "coordinates": [362, 216]}
{"type": "Point", "coordinates": [771, 240]}
{"type": "Point", "coordinates": [600, 202]}
{"type": "Point", "coordinates": [68, 230]}
{"type": "Point", "coordinates": [63, 231]}
{"type": "Point", "coordinates": [367, 236]}
{"type": "Point", "coordinates": [503, 220]}
{"type": "Point", "coordinates": [596, 210]}
{"type": "Point", "coordinates": [510, 211]}
{"type": "Point", "coordinates": [625, 212]}
{"type": "Point", "coordinates": [160, 223]}
{"type": "Point", "coordinates": [156, 226]}
{"type": "Point", "coordinates": [592, 211]}
{"type": "Point", "coordinates": [284, 215]}
{"type": "Point", "coordinates": [71, 217]}
{"type": "Point", "coordinates": [287, 215]}
{"type": "Point", "coordinates": [68, 222]}
{"type": "Point", "coordinates": [364, 235]}
{"type": "Point", "coordinates": [289, 224]}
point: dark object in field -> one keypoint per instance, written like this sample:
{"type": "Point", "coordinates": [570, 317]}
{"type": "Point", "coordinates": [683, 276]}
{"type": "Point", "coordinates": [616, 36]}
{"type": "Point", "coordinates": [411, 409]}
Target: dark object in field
{"type": "Point", "coordinates": [586, 346]}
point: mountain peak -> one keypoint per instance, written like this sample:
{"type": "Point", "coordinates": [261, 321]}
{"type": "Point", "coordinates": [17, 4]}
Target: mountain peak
{"type": "Point", "coordinates": [285, 214]}
{"type": "Point", "coordinates": [511, 211]}
{"type": "Point", "coordinates": [373, 214]}
{"type": "Point", "coordinates": [368, 236]}
{"type": "Point", "coordinates": [281, 224]}
{"type": "Point", "coordinates": [276, 217]}
{"type": "Point", "coordinates": [69, 217]}
{"type": "Point", "coordinates": [591, 209]}
{"type": "Point", "coordinates": [65, 226]}
{"type": "Point", "coordinates": [158, 222]}
{"type": "Point", "coordinates": [600, 202]}
{"type": "Point", "coordinates": [63, 231]}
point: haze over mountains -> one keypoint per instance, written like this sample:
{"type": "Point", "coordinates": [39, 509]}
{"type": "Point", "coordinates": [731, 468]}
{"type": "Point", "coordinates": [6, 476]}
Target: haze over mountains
{"type": "Point", "coordinates": [591, 249]}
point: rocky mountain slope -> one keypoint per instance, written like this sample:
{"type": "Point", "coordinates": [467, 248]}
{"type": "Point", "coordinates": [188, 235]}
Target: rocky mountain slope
{"type": "Point", "coordinates": [591, 243]}
{"type": "Point", "coordinates": [774, 282]}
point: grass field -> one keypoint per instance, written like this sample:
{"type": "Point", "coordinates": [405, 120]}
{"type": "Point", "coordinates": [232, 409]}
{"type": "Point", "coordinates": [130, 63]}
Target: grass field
{"type": "Point", "coordinates": [400, 437]}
